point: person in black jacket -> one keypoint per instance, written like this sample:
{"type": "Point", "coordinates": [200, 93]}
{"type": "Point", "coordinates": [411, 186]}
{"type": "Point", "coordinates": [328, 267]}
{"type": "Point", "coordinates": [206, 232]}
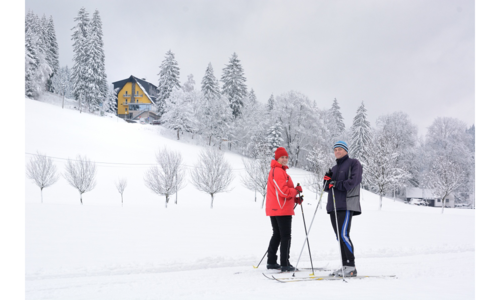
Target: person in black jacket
{"type": "Point", "coordinates": [343, 181]}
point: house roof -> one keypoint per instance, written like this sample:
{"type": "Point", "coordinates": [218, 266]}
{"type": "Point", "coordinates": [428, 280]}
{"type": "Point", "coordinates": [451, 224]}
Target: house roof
{"type": "Point", "coordinates": [415, 192]}
{"type": "Point", "coordinates": [143, 84]}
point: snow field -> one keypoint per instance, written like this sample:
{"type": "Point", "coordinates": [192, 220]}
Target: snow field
{"type": "Point", "coordinates": [101, 250]}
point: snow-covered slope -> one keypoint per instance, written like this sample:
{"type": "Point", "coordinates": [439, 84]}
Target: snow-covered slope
{"type": "Point", "coordinates": [101, 250]}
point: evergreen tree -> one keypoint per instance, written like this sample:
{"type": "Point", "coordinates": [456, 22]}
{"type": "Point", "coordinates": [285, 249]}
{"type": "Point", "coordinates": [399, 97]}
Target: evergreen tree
{"type": "Point", "coordinates": [252, 99]}
{"type": "Point", "coordinates": [37, 69]}
{"type": "Point", "coordinates": [94, 96]}
{"type": "Point", "coordinates": [274, 137]}
{"type": "Point", "coordinates": [52, 53]}
{"type": "Point", "coordinates": [336, 123]}
{"type": "Point", "coordinates": [270, 103]}
{"type": "Point", "coordinates": [169, 80]}
{"type": "Point", "coordinates": [80, 69]}
{"type": "Point", "coordinates": [101, 77]}
{"type": "Point", "coordinates": [233, 84]}
{"type": "Point", "coordinates": [216, 109]}
{"type": "Point", "coordinates": [61, 82]}
{"type": "Point", "coordinates": [360, 136]}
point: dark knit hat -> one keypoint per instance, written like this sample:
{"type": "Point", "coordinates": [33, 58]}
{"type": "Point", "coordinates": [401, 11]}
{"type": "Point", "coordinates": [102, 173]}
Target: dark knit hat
{"type": "Point", "coordinates": [279, 153]}
{"type": "Point", "coordinates": [341, 144]}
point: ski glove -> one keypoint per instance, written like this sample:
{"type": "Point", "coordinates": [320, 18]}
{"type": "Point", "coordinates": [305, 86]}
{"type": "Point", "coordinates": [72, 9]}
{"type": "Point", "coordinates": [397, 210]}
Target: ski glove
{"type": "Point", "coordinates": [332, 184]}
{"type": "Point", "coordinates": [299, 200]}
{"type": "Point", "coordinates": [298, 188]}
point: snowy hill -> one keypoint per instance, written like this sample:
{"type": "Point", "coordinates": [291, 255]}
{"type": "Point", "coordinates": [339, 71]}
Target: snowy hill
{"type": "Point", "coordinates": [101, 250]}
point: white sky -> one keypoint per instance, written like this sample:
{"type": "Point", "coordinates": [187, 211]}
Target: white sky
{"type": "Point", "coordinates": [412, 56]}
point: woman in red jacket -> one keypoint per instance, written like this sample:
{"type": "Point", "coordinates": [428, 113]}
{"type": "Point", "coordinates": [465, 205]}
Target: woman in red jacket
{"type": "Point", "coordinates": [280, 201]}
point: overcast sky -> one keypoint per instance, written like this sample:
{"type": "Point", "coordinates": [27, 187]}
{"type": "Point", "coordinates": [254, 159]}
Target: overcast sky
{"type": "Point", "coordinates": [410, 56]}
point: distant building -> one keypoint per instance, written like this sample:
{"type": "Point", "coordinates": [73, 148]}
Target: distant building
{"type": "Point", "coordinates": [429, 197]}
{"type": "Point", "coordinates": [136, 99]}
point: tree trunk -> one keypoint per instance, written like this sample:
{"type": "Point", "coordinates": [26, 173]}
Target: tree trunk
{"type": "Point", "coordinates": [212, 205]}
{"type": "Point", "coordinates": [175, 197]}
{"type": "Point", "coordinates": [166, 200]}
{"type": "Point", "coordinates": [122, 199]}
{"type": "Point", "coordinates": [41, 194]}
{"type": "Point", "coordinates": [263, 199]}
{"type": "Point", "coordinates": [443, 203]}
{"type": "Point", "coordinates": [81, 200]}
{"type": "Point", "coordinates": [255, 196]}
{"type": "Point", "coordinates": [178, 134]}
{"type": "Point", "coordinates": [380, 207]}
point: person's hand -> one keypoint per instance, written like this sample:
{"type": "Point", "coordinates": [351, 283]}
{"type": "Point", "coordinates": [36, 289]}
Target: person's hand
{"type": "Point", "coordinates": [327, 178]}
{"type": "Point", "coordinates": [298, 188]}
{"type": "Point", "coordinates": [332, 184]}
{"type": "Point", "coordinates": [299, 200]}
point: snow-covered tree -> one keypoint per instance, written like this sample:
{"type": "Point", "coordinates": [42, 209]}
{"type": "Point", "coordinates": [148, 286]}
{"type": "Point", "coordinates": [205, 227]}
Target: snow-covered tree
{"type": "Point", "coordinates": [335, 121]}
{"type": "Point", "coordinates": [188, 86]}
{"type": "Point", "coordinates": [448, 145]}
{"type": "Point", "coordinates": [42, 171]}
{"type": "Point", "coordinates": [169, 80]}
{"type": "Point", "coordinates": [167, 178]}
{"type": "Point", "coordinates": [300, 124]}
{"type": "Point", "coordinates": [256, 176]}
{"type": "Point", "coordinates": [100, 76]}
{"type": "Point", "coordinates": [216, 115]}
{"type": "Point", "coordinates": [61, 82]}
{"type": "Point", "coordinates": [37, 67]}
{"type": "Point", "coordinates": [445, 177]}
{"type": "Point", "coordinates": [111, 100]}
{"type": "Point", "coordinates": [252, 98]}
{"type": "Point", "coordinates": [52, 52]}
{"type": "Point", "coordinates": [121, 184]}
{"type": "Point", "coordinates": [233, 84]}
{"type": "Point", "coordinates": [212, 174]}
{"type": "Point", "coordinates": [401, 136]}
{"type": "Point", "coordinates": [179, 115]}
{"type": "Point", "coordinates": [270, 103]}
{"type": "Point", "coordinates": [81, 175]}
{"type": "Point", "coordinates": [274, 137]}
{"type": "Point", "coordinates": [360, 136]}
{"type": "Point", "coordinates": [81, 68]}
{"type": "Point", "coordinates": [319, 161]}
{"type": "Point", "coordinates": [380, 169]}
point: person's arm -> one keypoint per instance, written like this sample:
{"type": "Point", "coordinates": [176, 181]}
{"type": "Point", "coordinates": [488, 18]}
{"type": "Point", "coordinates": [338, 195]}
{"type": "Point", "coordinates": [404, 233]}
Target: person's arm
{"type": "Point", "coordinates": [354, 179]}
{"type": "Point", "coordinates": [281, 186]}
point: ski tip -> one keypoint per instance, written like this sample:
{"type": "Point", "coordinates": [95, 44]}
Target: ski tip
{"type": "Point", "coordinates": [254, 267]}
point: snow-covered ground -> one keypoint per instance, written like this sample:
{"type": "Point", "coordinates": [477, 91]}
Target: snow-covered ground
{"type": "Point", "coordinates": [142, 250]}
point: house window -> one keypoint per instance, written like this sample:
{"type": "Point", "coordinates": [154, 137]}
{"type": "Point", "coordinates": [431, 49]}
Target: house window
{"type": "Point", "coordinates": [126, 101]}
{"type": "Point", "coordinates": [439, 200]}
{"type": "Point", "coordinates": [447, 200]}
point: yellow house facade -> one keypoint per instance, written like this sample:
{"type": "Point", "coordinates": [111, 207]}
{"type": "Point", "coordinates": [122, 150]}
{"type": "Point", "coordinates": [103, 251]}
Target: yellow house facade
{"type": "Point", "coordinates": [136, 99]}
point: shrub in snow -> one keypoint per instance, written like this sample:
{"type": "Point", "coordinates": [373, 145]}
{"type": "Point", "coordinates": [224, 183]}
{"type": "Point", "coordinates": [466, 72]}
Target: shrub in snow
{"type": "Point", "coordinates": [212, 173]}
{"type": "Point", "coordinates": [42, 171]}
{"type": "Point", "coordinates": [81, 175]}
{"type": "Point", "coordinates": [167, 178]}
{"type": "Point", "coordinates": [121, 184]}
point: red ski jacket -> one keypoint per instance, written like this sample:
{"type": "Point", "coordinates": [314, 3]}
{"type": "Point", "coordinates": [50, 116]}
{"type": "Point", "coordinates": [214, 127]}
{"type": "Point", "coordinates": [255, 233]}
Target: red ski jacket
{"type": "Point", "coordinates": [280, 192]}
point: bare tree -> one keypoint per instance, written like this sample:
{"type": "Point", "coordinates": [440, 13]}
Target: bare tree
{"type": "Point", "coordinates": [445, 177]}
{"type": "Point", "coordinates": [257, 173]}
{"type": "Point", "coordinates": [214, 174]}
{"type": "Point", "coordinates": [121, 184]}
{"type": "Point", "coordinates": [167, 178]}
{"type": "Point", "coordinates": [81, 175]}
{"type": "Point", "coordinates": [42, 171]}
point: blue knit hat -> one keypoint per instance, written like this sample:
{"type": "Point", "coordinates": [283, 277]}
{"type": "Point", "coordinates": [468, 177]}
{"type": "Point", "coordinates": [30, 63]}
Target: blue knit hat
{"type": "Point", "coordinates": [341, 144]}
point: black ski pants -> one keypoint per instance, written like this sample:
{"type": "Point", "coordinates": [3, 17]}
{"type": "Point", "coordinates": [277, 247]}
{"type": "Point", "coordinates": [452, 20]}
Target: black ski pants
{"type": "Point", "coordinates": [344, 218]}
{"type": "Point", "coordinates": [282, 234]}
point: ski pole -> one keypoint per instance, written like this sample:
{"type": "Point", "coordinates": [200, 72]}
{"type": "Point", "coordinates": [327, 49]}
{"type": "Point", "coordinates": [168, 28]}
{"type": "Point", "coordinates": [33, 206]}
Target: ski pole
{"type": "Point", "coordinates": [338, 236]}
{"type": "Point", "coordinates": [307, 233]}
{"type": "Point", "coordinates": [255, 267]}
{"type": "Point", "coordinates": [305, 228]}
